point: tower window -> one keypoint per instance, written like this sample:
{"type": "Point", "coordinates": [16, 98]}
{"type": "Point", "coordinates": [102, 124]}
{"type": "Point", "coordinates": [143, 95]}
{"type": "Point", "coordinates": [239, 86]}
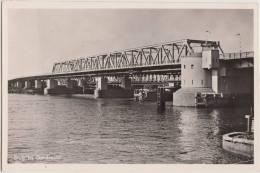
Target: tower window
{"type": "Point", "coordinates": [192, 66]}
{"type": "Point", "coordinates": [201, 82]}
{"type": "Point", "coordinates": [192, 82]}
{"type": "Point", "coordinates": [184, 66]}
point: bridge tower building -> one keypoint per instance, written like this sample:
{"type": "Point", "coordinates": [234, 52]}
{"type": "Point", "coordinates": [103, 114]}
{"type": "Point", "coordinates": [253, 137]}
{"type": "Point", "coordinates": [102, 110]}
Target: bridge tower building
{"type": "Point", "coordinates": [199, 73]}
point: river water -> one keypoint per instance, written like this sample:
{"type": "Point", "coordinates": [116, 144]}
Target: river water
{"type": "Point", "coordinates": [55, 129]}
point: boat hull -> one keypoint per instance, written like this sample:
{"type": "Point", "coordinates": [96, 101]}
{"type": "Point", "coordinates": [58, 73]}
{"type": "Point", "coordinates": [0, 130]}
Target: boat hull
{"type": "Point", "coordinates": [238, 143]}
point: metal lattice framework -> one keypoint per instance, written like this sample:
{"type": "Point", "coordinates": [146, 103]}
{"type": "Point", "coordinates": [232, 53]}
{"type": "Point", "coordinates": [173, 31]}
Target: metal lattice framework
{"type": "Point", "coordinates": [154, 55]}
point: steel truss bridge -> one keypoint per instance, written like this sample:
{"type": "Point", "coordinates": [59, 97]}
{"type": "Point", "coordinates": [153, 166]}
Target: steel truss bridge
{"type": "Point", "coordinates": [160, 59]}
{"type": "Point", "coordinates": [157, 59]}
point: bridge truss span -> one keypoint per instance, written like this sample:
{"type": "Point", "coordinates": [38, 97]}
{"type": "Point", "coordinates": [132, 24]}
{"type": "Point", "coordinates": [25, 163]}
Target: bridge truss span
{"type": "Point", "coordinates": [168, 53]}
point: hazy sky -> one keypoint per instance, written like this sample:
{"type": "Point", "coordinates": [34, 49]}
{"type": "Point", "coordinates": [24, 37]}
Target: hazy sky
{"type": "Point", "coordinates": [40, 37]}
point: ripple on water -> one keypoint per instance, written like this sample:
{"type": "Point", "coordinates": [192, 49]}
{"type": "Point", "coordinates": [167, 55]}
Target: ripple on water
{"type": "Point", "coordinates": [116, 131]}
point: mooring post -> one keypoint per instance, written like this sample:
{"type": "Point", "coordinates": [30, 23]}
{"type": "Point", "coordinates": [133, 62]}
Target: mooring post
{"type": "Point", "coordinates": [249, 123]}
{"type": "Point", "coordinates": [160, 99]}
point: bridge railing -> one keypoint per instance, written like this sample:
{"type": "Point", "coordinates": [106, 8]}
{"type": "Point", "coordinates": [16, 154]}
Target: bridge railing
{"type": "Point", "coordinates": [237, 55]}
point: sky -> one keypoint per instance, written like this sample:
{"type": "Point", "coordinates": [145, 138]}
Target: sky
{"type": "Point", "coordinates": [37, 38]}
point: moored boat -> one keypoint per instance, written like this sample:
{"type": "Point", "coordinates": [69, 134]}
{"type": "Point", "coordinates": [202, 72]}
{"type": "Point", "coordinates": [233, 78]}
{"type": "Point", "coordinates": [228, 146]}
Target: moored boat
{"type": "Point", "coordinates": [241, 143]}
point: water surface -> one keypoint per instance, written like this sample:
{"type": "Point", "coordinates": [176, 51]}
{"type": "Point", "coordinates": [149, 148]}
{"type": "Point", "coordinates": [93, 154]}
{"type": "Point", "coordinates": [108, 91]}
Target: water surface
{"type": "Point", "coordinates": [53, 129]}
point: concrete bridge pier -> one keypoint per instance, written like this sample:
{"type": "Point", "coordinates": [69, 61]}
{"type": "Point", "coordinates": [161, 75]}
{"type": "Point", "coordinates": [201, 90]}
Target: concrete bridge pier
{"type": "Point", "coordinates": [101, 89]}
{"type": "Point", "coordinates": [101, 83]}
{"type": "Point", "coordinates": [15, 86]}
{"type": "Point", "coordinates": [81, 85]}
{"type": "Point", "coordinates": [71, 83]}
{"type": "Point", "coordinates": [18, 84]}
{"type": "Point", "coordinates": [37, 87]}
{"type": "Point", "coordinates": [68, 83]}
{"type": "Point", "coordinates": [38, 84]}
{"type": "Point", "coordinates": [104, 91]}
{"type": "Point", "coordinates": [27, 84]}
{"type": "Point", "coordinates": [51, 84]}
{"type": "Point", "coordinates": [10, 85]}
{"type": "Point", "coordinates": [126, 82]}
{"type": "Point", "coordinates": [74, 86]}
{"type": "Point", "coordinates": [80, 82]}
{"type": "Point", "coordinates": [59, 82]}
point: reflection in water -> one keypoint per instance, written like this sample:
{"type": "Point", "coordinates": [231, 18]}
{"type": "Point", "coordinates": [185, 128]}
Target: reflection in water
{"type": "Point", "coordinates": [44, 129]}
{"type": "Point", "coordinates": [215, 122]}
